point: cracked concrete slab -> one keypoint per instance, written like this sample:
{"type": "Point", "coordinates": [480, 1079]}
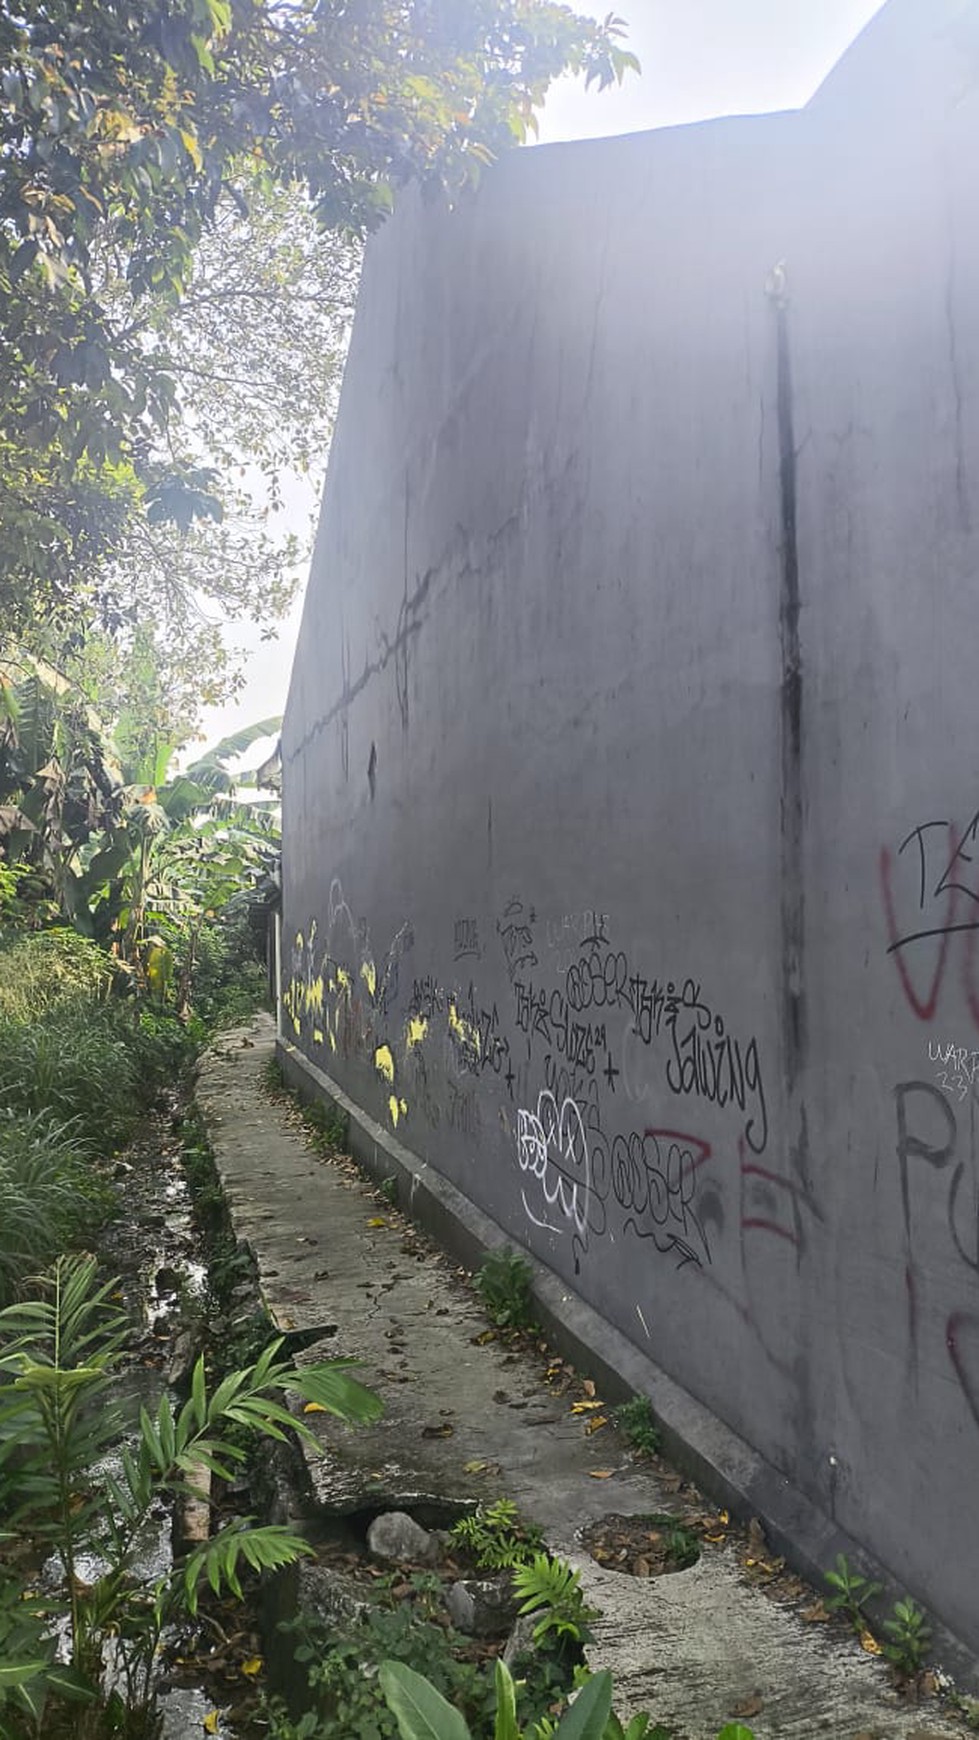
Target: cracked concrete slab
{"type": "Point", "coordinates": [466, 1419]}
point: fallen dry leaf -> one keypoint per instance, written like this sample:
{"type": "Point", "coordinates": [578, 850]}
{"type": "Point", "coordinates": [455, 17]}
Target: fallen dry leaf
{"type": "Point", "coordinates": [750, 1706]}
{"type": "Point", "coordinates": [314, 1408]}
{"type": "Point", "coordinates": [869, 1642]}
{"type": "Point", "coordinates": [595, 1424]}
{"type": "Point", "coordinates": [817, 1615]}
{"type": "Point", "coordinates": [585, 1407]}
{"type": "Point", "coordinates": [377, 1220]}
{"type": "Point", "coordinates": [252, 1666]}
{"type": "Point", "coordinates": [756, 1537]}
{"type": "Point", "coordinates": [210, 1722]}
{"type": "Point", "coordinates": [442, 1431]}
{"type": "Point", "coordinates": [588, 1387]}
{"type": "Point", "coordinates": [600, 1473]}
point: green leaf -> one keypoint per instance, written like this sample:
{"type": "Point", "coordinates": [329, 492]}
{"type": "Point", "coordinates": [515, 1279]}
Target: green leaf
{"type": "Point", "coordinates": [736, 1731]}
{"type": "Point", "coordinates": [506, 1704]}
{"type": "Point", "coordinates": [420, 1711]}
{"type": "Point", "coordinates": [589, 1713]}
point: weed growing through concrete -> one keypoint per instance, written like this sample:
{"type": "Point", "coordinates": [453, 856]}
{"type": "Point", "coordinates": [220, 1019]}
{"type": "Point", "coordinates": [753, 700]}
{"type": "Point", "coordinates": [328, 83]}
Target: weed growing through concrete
{"type": "Point", "coordinates": [503, 1284]}
{"type": "Point", "coordinates": [909, 1636]}
{"type": "Point", "coordinates": [851, 1592]}
{"type": "Point", "coordinates": [637, 1422]}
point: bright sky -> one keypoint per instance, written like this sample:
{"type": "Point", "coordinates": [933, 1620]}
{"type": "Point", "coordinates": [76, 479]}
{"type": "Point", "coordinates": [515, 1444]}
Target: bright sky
{"type": "Point", "coordinates": [699, 58]}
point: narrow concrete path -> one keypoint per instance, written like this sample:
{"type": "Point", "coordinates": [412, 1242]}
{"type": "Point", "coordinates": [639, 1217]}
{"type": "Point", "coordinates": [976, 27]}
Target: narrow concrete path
{"type": "Point", "coordinates": [466, 1418]}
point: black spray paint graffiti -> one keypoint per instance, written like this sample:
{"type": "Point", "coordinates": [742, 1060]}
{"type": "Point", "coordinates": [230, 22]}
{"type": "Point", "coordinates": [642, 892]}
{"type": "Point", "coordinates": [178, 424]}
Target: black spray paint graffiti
{"type": "Point", "coordinates": [653, 1178]}
{"type": "Point", "coordinates": [928, 1134]}
{"type": "Point", "coordinates": [555, 1042]}
{"type": "Point", "coordinates": [466, 941]}
{"type": "Point", "coordinates": [706, 1062]}
{"type": "Point", "coordinates": [516, 933]}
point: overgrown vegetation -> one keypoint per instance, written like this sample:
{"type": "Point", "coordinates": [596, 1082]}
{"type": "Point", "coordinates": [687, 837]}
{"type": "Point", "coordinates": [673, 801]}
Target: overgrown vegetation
{"type": "Point", "coordinates": [61, 1417]}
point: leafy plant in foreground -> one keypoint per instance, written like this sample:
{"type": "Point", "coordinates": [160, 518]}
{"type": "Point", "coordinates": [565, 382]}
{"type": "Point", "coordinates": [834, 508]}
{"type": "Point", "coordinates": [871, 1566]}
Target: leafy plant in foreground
{"type": "Point", "coordinates": [503, 1284]}
{"type": "Point", "coordinates": [60, 1421]}
{"type": "Point", "coordinates": [423, 1714]}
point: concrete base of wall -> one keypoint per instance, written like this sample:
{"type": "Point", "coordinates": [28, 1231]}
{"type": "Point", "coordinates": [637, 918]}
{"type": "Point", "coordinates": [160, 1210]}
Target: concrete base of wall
{"type": "Point", "coordinates": [721, 1463]}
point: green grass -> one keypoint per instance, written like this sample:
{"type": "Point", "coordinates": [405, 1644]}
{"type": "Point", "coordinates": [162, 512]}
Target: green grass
{"type": "Point", "coordinates": [50, 969]}
{"type": "Point", "coordinates": [50, 1194]}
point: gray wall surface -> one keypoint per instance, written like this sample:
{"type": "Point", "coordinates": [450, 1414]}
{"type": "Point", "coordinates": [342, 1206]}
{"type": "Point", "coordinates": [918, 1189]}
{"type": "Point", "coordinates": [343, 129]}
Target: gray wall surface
{"type": "Point", "coordinates": [631, 790]}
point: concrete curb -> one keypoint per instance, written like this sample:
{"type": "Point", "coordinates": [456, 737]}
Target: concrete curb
{"type": "Point", "coordinates": [721, 1463]}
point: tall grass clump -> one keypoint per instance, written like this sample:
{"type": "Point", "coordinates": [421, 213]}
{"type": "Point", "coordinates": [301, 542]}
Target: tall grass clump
{"type": "Point", "coordinates": [73, 1063]}
{"type": "Point", "coordinates": [50, 969]}
{"type": "Point", "coordinates": [49, 1192]}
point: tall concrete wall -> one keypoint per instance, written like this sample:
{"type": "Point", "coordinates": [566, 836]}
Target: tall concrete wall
{"type": "Point", "coordinates": [630, 787]}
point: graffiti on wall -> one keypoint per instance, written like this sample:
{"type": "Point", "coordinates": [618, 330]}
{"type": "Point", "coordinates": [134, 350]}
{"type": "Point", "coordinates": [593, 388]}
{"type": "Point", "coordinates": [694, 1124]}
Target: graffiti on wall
{"type": "Point", "coordinates": [930, 898]}
{"type": "Point", "coordinates": [936, 1140]}
{"type": "Point", "coordinates": [552, 1054]}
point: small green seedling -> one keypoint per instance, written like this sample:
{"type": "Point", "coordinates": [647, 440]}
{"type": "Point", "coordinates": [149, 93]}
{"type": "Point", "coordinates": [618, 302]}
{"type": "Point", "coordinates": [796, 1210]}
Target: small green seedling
{"type": "Point", "coordinates": [851, 1592]}
{"type": "Point", "coordinates": [910, 1636]}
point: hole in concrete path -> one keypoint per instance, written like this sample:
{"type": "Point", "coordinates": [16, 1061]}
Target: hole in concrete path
{"type": "Point", "coordinates": [297, 1339]}
{"type": "Point", "coordinates": [429, 1512]}
{"type": "Point", "coordinates": [656, 1544]}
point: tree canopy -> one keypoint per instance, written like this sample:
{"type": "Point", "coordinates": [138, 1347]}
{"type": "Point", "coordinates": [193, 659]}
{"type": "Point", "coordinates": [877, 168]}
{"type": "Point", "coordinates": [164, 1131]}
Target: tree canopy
{"type": "Point", "coordinates": [138, 142]}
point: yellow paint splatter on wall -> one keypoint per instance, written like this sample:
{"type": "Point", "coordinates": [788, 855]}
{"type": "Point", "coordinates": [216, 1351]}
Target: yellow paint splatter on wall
{"type": "Point", "coordinates": [416, 1031]}
{"type": "Point", "coordinates": [317, 1036]}
{"type": "Point", "coordinates": [343, 979]}
{"type": "Point", "coordinates": [384, 1062]}
{"type": "Point", "coordinates": [464, 1030]}
{"type": "Point", "coordinates": [369, 976]}
{"type": "Point", "coordinates": [393, 1109]}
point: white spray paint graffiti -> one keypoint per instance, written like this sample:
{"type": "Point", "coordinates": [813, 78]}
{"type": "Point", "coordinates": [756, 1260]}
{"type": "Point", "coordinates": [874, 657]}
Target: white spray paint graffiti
{"type": "Point", "coordinates": [552, 1146]}
{"type": "Point", "coordinates": [959, 1067]}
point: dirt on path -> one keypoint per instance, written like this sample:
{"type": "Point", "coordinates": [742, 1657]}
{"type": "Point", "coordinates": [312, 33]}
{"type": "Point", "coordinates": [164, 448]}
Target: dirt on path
{"type": "Point", "coordinates": [469, 1416]}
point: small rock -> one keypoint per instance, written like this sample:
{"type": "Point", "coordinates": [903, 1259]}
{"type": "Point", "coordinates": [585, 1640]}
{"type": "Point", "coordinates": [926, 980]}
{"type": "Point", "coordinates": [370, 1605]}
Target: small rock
{"type": "Point", "coordinates": [482, 1607]}
{"type": "Point", "coordinates": [397, 1537]}
{"type": "Point", "coordinates": [520, 1642]}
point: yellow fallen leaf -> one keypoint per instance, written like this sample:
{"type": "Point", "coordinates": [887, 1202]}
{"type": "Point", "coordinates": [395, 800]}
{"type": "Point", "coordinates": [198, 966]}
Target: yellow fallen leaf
{"type": "Point", "coordinates": [210, 1723]}
{"type": "Point", "coordinates": [252, 1666]}
{"type": "Point", "coordinates": [869, 1642]}
{"type": "Point", "coordinates": [595, 1424]}
{"type": "Point", "coordinates": [585, 1407]}
{"type": "Point", "coordinates": [315, 1408]}
{"type": "Point", "coordinates": [475, 1467]}
{"type": "Point", "coordinates": [588, 1387]}
{"type": "Point", "coordinates": [601, 1473]}
{"type": "Point", "coordinates": [377, 1220]}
